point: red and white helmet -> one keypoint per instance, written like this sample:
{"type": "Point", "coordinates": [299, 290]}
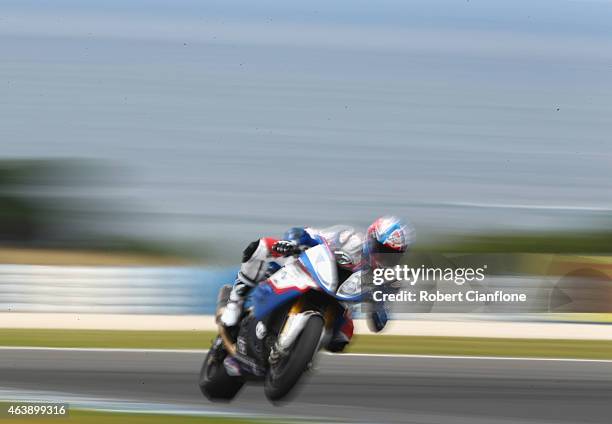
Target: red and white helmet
{"type": "Point", "coordinates": [386, 241]}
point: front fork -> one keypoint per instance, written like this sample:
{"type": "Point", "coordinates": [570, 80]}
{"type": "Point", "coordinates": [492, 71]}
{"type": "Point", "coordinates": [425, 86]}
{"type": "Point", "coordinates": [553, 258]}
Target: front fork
{"type": "Point", "coordinates": [297, 317]}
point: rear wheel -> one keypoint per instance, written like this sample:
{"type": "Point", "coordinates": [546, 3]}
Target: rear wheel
{"type": "Point", "coordinates": [215, 383]}
{"type": "Point", "coordinates": [283, 375]}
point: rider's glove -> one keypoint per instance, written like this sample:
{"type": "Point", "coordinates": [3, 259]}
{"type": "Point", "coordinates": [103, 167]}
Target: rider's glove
{"type": "Point", "coordinates": [378, 320]}
{"type": "Point", "coordinates": [285, 248]}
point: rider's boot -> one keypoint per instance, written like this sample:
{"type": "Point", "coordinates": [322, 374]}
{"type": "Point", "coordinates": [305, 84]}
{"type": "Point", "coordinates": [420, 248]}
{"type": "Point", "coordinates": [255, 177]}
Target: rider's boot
{"type": "Point", "coordinates": [342, 334]}
{"type": "Point", "coordinates": [338, 343]}
{"type": "Point", "coordinates": [233, 309]}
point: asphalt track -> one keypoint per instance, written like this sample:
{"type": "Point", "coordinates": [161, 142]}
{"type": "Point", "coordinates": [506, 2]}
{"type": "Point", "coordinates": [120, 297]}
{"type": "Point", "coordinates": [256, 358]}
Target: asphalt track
{"type": "Point", "coordinates": [351, 388]}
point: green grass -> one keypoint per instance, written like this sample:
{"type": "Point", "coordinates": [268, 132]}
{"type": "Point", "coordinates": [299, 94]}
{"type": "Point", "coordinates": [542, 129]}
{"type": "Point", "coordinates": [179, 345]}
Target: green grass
{"type": "Point", "coordinates": [107, 338]}
{"type": "Point", "coordinates": [469, 346]}
{"type": "Point", "coordinates": [79, 416]}
{"type": "Point", "coordinates": [477, 346]}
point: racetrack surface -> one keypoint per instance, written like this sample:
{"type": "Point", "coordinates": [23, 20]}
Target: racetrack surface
{"type": "Point", "coordinates": [349, 388]}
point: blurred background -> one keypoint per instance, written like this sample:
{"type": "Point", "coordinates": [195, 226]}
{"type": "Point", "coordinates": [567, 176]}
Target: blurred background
{"type": "Point", "coordinates": [170, 134]}
{"type": "Point", "coordinates": [145, 143]}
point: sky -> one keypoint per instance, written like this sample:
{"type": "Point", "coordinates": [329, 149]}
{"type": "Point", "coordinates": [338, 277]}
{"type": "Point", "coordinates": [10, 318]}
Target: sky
{"type": "Point", "coordinates": [230, 119]}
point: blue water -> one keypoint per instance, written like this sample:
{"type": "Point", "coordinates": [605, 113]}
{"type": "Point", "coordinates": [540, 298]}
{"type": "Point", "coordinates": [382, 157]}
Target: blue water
{"type": "Point", "coordinates": [227, 120]}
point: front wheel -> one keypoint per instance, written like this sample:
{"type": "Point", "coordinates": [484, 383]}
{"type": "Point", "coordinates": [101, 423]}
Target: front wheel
{"type": "Point", "coordinates": [215, 383]}
{"type": "Point", "coordinates": [283, 375]}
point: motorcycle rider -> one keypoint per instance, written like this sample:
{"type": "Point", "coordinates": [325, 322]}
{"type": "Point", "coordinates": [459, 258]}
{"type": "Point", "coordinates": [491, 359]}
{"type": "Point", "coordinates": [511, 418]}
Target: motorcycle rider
{"type": "Point", "coordinates": [383, 244]}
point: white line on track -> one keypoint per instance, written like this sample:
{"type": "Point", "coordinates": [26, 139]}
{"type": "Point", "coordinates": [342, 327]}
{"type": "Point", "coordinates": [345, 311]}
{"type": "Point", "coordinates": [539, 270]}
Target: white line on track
{"type": "Point", "coordinates": [501, 358]}
{"type": "Point", "coordinates": [373, 355]}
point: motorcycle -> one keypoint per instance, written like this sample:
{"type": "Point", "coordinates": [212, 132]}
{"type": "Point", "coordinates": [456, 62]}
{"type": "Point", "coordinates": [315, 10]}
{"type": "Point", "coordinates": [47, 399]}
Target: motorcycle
{"type": "Point", "coordinates": [287, 319]}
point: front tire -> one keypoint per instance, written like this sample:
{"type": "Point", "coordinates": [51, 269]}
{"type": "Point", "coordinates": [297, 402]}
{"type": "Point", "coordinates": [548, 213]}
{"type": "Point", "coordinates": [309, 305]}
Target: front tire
{"type": "Point", "coordinates": [284, 375]}
{"type": "Point", "coordinates": [215, 383]}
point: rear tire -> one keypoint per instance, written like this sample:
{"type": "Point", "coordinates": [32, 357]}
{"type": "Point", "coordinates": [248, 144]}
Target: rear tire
{"type": "Point", "coordinates": [215, 383]}
{"type": "Point", "coordinates": [282, 377]}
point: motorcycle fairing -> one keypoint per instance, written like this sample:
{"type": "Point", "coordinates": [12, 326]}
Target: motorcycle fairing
{"type": "Point", "coordinates": [320, 263]}
{"type": "Point", "coordinates": [294, 279]}
{"type": "Point", "coordinates": [251, 347]}
{"type": "Point", "coordinates": [315, 269]}
{"type": "Point", "coordinates": [265, 299]}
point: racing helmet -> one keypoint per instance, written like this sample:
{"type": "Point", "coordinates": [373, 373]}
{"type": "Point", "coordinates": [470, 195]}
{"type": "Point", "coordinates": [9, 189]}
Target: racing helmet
{"type": "Point", "coordinates": [387, 239]}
